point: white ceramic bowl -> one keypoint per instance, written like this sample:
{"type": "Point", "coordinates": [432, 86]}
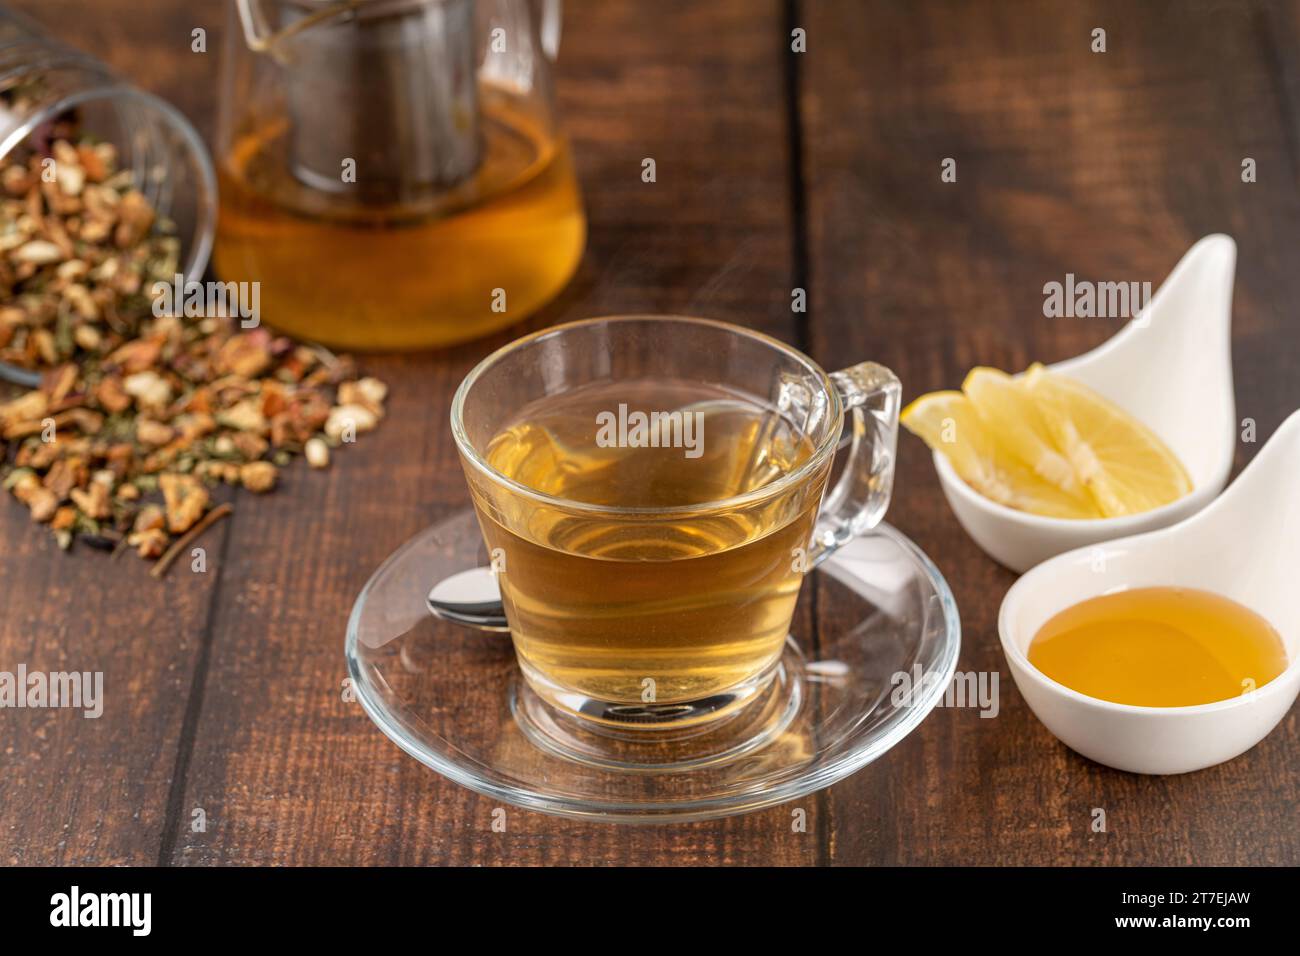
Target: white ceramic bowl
{"type": "Point", "coordinates": [1244, 546]}
{"type": "Point", "coordinates": [1171, 367]}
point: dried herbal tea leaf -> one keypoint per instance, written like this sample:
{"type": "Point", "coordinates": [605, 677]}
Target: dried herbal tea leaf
{"type": "Point", "coordinates": [139, 417]}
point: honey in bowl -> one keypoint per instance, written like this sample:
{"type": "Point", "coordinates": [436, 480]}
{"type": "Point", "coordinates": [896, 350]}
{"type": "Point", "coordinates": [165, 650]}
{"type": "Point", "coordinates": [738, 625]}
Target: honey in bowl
{"type": "Point", "coordinates": [1159, 647]}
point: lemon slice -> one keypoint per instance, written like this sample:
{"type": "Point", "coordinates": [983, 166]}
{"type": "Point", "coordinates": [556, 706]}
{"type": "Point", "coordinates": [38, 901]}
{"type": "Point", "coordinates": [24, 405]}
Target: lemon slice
{"type": "Point", "coordinates": [1047, 444]}
{"type": "Point", "coordinates": [1011, 412]}
{"type": "Point", "coordinates": [1124, 465]}
{"type": "Point", "coordinates": [949, 422]}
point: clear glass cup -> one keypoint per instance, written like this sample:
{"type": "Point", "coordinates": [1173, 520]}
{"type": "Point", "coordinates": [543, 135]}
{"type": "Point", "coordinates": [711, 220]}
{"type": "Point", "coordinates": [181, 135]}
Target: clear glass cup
{"type": "Point", "coordinates": [392, 171]}
{"type": "Point", "coordinates": [651, 584]}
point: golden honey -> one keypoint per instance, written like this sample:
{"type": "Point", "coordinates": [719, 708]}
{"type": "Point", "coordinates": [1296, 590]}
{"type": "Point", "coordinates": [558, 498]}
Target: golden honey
{"type": "Point", "coordinates": [1159, 647]}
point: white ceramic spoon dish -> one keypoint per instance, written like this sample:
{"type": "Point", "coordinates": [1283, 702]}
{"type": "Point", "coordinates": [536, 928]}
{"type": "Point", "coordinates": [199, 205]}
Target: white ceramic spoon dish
{"type": "Point", "coordinates": [1244, 546]}
{"type": "Point", "coordinates": [1171, 367]}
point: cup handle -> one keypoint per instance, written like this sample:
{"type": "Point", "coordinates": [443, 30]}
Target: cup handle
{"type": "Point", "coordinates": [871, 395]}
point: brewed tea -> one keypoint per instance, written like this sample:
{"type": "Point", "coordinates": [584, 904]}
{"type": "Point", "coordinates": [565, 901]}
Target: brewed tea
{"type": "Point", "coordinates": [644, 604]}
{"type": "Point", "coordinates": [419, 272]}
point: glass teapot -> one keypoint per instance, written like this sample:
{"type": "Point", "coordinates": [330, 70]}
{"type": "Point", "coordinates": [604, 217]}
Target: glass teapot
{"type": "Point", "coordinates": [391, 171]}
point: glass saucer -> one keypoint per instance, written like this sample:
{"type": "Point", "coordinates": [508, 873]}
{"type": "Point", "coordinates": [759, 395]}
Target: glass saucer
{"type": "Point", "coordinates": [451, 695]}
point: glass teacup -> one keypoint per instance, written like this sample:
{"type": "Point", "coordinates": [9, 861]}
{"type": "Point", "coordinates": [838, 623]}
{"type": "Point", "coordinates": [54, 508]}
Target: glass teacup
{"type": "Point", "coordinates": [650, 490]}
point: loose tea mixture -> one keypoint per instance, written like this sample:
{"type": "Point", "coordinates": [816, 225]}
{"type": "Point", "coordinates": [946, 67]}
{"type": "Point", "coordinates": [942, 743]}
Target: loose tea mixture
{"type": "Point", "coordinates": [139, 416]}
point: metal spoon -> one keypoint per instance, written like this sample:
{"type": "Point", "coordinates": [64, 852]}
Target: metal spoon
{"type": "Point", "coordinates": [469, 598]}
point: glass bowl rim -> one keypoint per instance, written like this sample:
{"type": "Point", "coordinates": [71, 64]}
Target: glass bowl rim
{"type": "Point", "coordinates": [200, 246]}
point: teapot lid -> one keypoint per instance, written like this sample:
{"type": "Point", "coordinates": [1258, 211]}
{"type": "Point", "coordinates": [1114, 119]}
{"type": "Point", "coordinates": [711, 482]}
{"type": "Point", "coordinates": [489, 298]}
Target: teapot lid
{"type": "Point", "coordinates": [263, 36]}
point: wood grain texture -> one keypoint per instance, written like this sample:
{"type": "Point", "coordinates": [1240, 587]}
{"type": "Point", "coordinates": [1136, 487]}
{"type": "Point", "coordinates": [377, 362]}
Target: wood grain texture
{"type": "Point", "coordinates": [288, 772]}
{"type": "Point", "coordinates": [1107, 165]}
{"type": "Point", "coordinates": [96, 791]}
{"type": "Point", "coordinates": [223, 690]}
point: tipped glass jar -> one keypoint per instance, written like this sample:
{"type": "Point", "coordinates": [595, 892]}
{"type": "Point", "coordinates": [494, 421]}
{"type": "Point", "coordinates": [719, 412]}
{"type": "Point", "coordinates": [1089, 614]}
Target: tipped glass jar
{"type": "Point", "coordinates": [49, 90]}
{"type": "Point", "coordinates": [391, 171]}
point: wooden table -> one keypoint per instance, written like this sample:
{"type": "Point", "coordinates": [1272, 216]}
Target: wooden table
{"type": "Point", "coordinates": [775, 170]}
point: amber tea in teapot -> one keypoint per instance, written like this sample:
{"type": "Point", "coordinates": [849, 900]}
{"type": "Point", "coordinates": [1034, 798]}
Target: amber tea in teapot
{"type": "Point", "coordinates": [391, 171]}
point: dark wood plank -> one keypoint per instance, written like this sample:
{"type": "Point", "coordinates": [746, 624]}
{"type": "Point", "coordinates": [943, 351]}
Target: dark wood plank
{"type": "Point", "coordinates": [150, 47]}
{"type": "Point", "coordinates": [93, 791]}
{"type": "Point", "coordinates": [287, 771]}
{"type": "Point", "coordinates": [96, 791]}
{"type": "Point", "coordinates": [1105, 165]}
{"type": "Point", "coordinates": [225, 695]}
